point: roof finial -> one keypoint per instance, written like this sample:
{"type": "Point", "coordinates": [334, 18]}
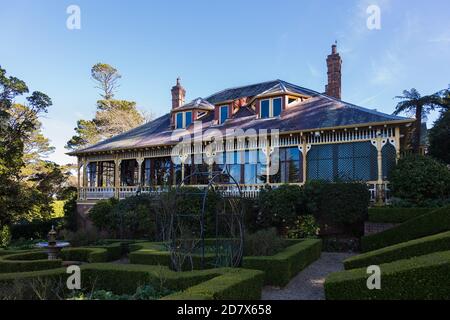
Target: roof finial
{"type": "Point", "coordinates": [178, 80]}
{"type": "Point", "coordinates": [334, 47]}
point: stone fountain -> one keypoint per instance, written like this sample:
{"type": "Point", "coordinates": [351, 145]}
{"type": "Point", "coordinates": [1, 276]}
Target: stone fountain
{"type": "Point", "coordinates": [53, 246]}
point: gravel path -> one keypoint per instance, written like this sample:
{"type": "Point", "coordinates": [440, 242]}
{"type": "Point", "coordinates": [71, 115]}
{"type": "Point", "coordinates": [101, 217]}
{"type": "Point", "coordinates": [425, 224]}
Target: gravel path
{"type": "Point", "coordinates": [308, 284]}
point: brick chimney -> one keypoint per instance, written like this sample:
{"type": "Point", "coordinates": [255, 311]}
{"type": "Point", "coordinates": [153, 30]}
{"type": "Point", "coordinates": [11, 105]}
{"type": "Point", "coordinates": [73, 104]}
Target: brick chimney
{"type": "Point", "coordinates": [334, 64]}
{"type": "Point", "coordinates": [178, 95]}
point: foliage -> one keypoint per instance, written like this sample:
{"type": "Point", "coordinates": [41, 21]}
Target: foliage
{"type": "Point", "coordinates": [305, 227]}
{"type": "Point", "coordinates": [113, 117]}
{"type": "Point", "coordinates": [340, 244]}
{"type": "Point", "coordinates": [439, 137]}
{"type": "Point", "coordinates": [280, 268]}
{"type": "Point", "coordinates": [131, 218]}
{"type": "Point", "coordinates": [82, 237]}
{"type": "Point", "coordinates": [395, 215]}
{"type": "Point", "coordinates": [419, 278]}
{"type": "Point", "coordinates": [280, 207]}
{"type": "Point", "coordinates": [101, 215]}
{"type": "Point", "coordinates": [91, 255]}
{"type": "Point", "coordinates": [146, 292]}
{"type": "Point", "coordinates": [341, 204]}
{"type": "Point", "coordinates": [420, 179]}
{"type": "Point", "coordinates": [263, 243]}
{"type": "Point", "coordinates": [27, 261]}
{"type": "Point", "coordinates": [15, 197]}
{"type": "Point", "coordinates": [37, 229]}
{"type": "Point", "coordinates": [5, 236]}
{"type": "Point", "coordinates": [431, 223]}
{"type": "Point", "coordinates": [404, 250]}
{"type": "Point", "coordinates": [412, 101]}
{"type": "Point", "coordinates": [70, 213]}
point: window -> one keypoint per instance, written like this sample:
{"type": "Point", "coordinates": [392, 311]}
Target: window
{"type": "Point", "coordinates": [179, 120]}
{"type": "Point", "coordinates": [255, 167]}
{"type": "Point", "coordinates": [271, 108]}
{"type": "Point", "coordinates": [92, 174]}
{"type": "Point", "coordinates": [183, 119]}
{"type": "Point", "coordinates": [265, 109]}
{"type": "Point", "coordinates": [106, 174]}
{"type": "Point", "coordinates": [389, 155]}
{"type": "Point", "coordinates": [188, 120]}
{"type": "Point", "coordinates": [276, 107]}
{"type": "Point", "coordinates": [346, 161]}
{"type": "Point", "coordinates": [290, 166]}
{"type": "Point", "coordinates": [129, 173]}
{"type": "Point", "coordinates": [223, 114]}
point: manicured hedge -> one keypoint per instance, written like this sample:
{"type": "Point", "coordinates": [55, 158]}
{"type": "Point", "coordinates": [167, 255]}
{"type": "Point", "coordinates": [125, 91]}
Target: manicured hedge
{"type": "Point", "coordinates": [419, 278]}
{"type": "Point", "coordinates": [409, 249]}
{"type": "Point", "coordinates": [282, 267]}
{"type": "Point", "coordinates": [151, 253]}
{"type": "Point", "coordinates": [85, 254]}
{"type": "Point", "coordinates": [27, 261]}
{"type": "Point", "coordinates": [395, 215]}
{"type": "Point", "coordinates": [222, 283]}
{"type": "Point", "coordinates": [431, 223]}
{"type": "Point", "coordinates": [237, 284]}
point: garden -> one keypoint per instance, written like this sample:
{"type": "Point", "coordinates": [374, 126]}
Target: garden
{"type": "Point", "coordinates": [141, 248]}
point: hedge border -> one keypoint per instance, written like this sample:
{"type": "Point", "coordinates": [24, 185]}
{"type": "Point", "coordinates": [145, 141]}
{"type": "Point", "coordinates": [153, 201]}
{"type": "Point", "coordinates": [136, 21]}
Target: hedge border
{"type": "Point", "coordinates": [404, 250]}
{"type": "Point", "coordinates": [419, 278]}
{"type": "Point", "coordinates": [395, 215]}
{"type": "Point", "coordinates": [224, 283]}
{"type": "Point", "coordinates": [280, 268]}
{"type": "Point", "coordinates": [27, 261]}
{"type": "Point", "coordinates": [428, 224]}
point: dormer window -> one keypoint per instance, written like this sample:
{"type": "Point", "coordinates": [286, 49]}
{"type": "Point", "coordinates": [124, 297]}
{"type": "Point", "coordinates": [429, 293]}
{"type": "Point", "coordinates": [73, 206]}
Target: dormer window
{"type": "Point", "coordinates": [270, 108]}
{"type": "Point", "coordinates": [223, 114]}
{"type": "Point", "coordinates": [183, 119]}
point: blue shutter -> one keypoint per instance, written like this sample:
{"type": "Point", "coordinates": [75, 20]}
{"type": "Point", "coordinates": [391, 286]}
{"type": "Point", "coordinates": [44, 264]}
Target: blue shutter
{"type": "Point", "coordinates": [265, 109]}
{"type": "Point", "coordinates": [276, 107]}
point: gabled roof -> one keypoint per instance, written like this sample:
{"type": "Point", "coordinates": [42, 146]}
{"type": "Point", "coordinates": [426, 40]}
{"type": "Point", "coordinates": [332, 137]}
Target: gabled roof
{"type": "Point", "coordinates": [254, 90]}
{"type": "Point", "coordinates": [318, 112]}
{"type": "Point", "coordinates": [199, 104]}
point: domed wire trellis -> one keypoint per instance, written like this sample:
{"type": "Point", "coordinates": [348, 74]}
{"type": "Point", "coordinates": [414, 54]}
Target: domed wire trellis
{"type": "Point", "coordinates": [207, 225]}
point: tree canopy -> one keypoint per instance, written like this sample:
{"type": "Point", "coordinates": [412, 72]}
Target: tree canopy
{"type": "Point", "coordinates": [112, 117]}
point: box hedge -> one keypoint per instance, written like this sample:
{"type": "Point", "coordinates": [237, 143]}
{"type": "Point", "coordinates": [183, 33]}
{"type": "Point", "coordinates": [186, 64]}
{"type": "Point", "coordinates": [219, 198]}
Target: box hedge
{"type": "Point", "coordinates": [396, 215]}
{"type": "Point", "coordinates": [404, 250]}
{"type": "Point", "coordinates": [224, 283]}
{"type": "Point", "coordinates": [85, 254]}
{"type": "Point", "coordinates": [27, 261]}
{"type": "Point", "coordinates": [280, 268]}
{"type": "Point", "coordinates": [419, 278]}
{"type": "Point", "coordinates": [431, 223]}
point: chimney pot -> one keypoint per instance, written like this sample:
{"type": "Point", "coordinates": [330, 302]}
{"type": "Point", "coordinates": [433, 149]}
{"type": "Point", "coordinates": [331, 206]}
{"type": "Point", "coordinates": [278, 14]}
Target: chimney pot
{"type": "Point", "coordinates": [178, 95]}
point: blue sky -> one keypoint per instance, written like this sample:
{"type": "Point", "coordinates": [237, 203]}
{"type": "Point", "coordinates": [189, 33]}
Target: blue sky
{"type": "Point", "coordinates": [213, 45]}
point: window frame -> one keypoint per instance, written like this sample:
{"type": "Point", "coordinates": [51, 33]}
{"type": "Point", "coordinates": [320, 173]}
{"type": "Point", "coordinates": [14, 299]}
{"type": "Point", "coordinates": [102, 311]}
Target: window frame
{"type": "Point", "coordinates": [183, 119]}
{"type": "Point", "coordinates": [227, 113]}
{"type": "Point", "coordinates": [271, 107]}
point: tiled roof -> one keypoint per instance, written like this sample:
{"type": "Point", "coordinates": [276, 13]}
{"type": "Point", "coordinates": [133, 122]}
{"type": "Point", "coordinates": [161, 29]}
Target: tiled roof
{"type": "Point", "coordinates": [318, 112]}
{"type": "Point", "coordinates": [198, 103]}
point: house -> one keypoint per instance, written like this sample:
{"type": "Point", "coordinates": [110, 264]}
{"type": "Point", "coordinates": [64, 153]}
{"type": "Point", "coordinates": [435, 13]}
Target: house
{"type": "Point", "coordinates": [305, 134]}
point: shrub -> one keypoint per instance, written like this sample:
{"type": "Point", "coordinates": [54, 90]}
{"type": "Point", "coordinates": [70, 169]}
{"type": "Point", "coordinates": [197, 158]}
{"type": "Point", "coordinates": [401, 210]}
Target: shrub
{"type": "Point", "coordinates": [404, 250]}
{"type": "Point", "coordinates": [419, 278]}
{"type": "Point", "coordinates": [70, 213]}
{"type": "Point", "coordinates": [305, 227]}
{"type": "Point", "coordinates": [280, 207]}
{"type": "Point", "coordinates": [27, 261]}
{"type": "Point", "coordinates": [340, 204]}
{"type": "Point", "coordinates": [37, 229]}
{"type": "Point", "coordinates": [5, 236]}
{"type": "Point", "coordinates": [395, 215]}
{"type": "Point", "coordinates": [419, 179]}
{"type": "Point", "coordinates": [102, 217]}
{"type": "Point", "coordinates": [82, 237]}
{"type": "Point", "coordinates": [263, 243]}
{"type": "Point", "coordinates": [431, 223]}
{"type": "Point", "coordinates": [439, 137]}
{"type": "Point", "coordinates": [91, 255]}
{"type": "Point", "coordinates": [279, 269]}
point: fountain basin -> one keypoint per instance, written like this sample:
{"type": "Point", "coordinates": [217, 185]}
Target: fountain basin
{"type": "Point", "coordinates": [53, 249]}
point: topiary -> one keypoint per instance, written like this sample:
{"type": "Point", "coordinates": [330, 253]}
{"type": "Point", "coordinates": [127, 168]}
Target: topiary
{"type": "Point", "coordinates": [420, 180]}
